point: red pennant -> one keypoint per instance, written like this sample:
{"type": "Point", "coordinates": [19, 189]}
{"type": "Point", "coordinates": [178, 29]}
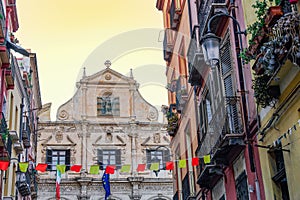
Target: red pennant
{"type": "Point", "coordinates": [141, 167]}
{"type": "Point", "coordinates": [169, 165]}
{"type": "Point", "coordinates": [110, 169]}
{"type": "Point", "coordinates": [4, 165]}
{"type": "Point", "coordinates": [76, 168]}
{"type": "Point", "coordinates": [41, 167]}
{"type": "Point", "coordinates": [195, 161]}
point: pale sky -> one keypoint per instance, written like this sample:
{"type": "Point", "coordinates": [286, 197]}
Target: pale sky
{"type": "Point", "coordinates": [68, 35]}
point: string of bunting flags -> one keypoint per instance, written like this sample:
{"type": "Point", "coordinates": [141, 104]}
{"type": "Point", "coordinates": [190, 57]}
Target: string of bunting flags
{"type": "Point", "coordinates": [288, 132]}
{"type": "Point", "coordinates": [110, 169]}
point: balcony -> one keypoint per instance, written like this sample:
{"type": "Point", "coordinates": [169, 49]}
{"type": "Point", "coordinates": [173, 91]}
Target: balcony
{"type": "Point", "coordinates": [197, 67]}
{"type": "Point", "coordinates": [9, 77]}
{"type": "Point", "coordinates": [172, 118]}
{"type": "Point", "coordinates": [181, 93]}
{"type": "Point", "coordinates": [23, 183]}
{"type": "Point", "coordinates": [4, 55]}
{"type": "Point", "coordinates": [18, 147]}
{"type": "Point", "coordinates": [168, 44]}
{"type": "Point", "coordinates": [175, 13]}
{"type": "Point", "coordinates": [229, 149]}
{"type": "Point", "coordinates": [206, 9]}
{"type": "Point", "coordinates": [14, 136]}
{"type": "Point", "coordinates": [210, 176]}
{"type": "Point", "coordinates": [26, 133]}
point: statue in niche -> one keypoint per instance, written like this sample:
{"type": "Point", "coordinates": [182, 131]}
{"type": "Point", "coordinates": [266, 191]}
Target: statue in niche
{"type": "Point", "coordinates": [156, 138]}
{"type": "Point", "coordinates": [108, 137]}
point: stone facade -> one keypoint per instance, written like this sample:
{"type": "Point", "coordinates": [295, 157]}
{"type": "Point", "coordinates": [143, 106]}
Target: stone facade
{"type": "Point", "coordinates": [106, 114]}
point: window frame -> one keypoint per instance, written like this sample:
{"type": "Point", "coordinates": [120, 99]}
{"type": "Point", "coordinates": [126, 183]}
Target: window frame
{"type": "Point", "coordinates": [49, 159]}
{"type": "Point", "coordinates": [104, 110]}
{"type": "Point", "coordinates": [103, 152]}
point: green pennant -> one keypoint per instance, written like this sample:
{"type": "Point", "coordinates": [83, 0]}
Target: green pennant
{"type": "Point", "coordinates": [23, 166]}
{"type": "Point", "coordinates": [125, 168]}
{"type": "Point", "coordinates": [154, 166]}
{"type": "Point", "coordinates": [61, 168]}
{"type": "Point", "coordinates": [94, 169]}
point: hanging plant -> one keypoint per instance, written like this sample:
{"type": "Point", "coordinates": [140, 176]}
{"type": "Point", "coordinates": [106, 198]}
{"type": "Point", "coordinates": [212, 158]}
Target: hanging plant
{"type": "Point", "coordinates": [264, 94]}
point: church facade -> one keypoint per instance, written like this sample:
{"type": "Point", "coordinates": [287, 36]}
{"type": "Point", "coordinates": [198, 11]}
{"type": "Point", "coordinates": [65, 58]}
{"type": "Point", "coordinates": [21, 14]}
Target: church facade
{"type": "Point", "coordinates": [106, 122]}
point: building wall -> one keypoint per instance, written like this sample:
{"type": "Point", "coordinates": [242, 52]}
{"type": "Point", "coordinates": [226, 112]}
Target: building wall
{"type": "Point", "coordinates": [78, 128]}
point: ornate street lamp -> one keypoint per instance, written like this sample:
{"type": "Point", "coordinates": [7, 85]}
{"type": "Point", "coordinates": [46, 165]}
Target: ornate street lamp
{"type": "Point", "coordinates": [211, 43]}
{"type": "Point", "coordinates": [211, 48]}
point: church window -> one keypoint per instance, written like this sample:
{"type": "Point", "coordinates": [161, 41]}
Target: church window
{"type": "Point", "coordinates": [108, 105]}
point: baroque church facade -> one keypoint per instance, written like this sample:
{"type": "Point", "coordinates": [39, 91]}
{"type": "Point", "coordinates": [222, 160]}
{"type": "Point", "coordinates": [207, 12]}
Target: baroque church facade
{"type": "Point", "coordinates": [106, 122]}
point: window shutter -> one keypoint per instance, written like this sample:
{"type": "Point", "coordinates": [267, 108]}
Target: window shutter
{"type": "Point", "coordinates": [100, 158]}
{"type": "Point", "coordinates": [68, 159]}
{"type": "Point", "coordinates": [148, 156]}
{"type": "Point", "coordinates": [166, 157]}
{"type": "Point", "coordinates": [232, 109]}
{"type": "Point", "coordinates": [49, 159]}
{"type": "Point", "coordinates": [118, 158]}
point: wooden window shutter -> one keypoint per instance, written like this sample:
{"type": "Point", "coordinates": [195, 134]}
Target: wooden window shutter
{"type": "Point", "coordinates": [166, 157]}
{"type": "Point", "coordinates": [148, 156]}
{"type": "Point", "coordinates": [118, 158]}
{"type": "Point", "coordinates": [68, 159]}
{"type": "Point", "coordinates": [227, 73]}
{"type": "Point", "coordinates": [49, 159]}
{"type": "Point", "coordinates": [100, 158]}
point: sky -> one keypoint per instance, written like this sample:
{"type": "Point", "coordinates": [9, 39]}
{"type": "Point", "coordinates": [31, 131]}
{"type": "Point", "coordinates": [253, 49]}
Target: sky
{"type": "Point", "coordinates": [68, 35]}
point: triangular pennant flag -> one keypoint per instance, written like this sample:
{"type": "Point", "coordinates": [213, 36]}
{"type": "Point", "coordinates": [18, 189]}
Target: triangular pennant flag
{"type": "Point", "coordinates": [76, 168]}
{"type": "Point", "coordinates": [23, 166]}
{"type": "Point", "coordinates": [94, 169]}
{"type": "Point", "coordinates": [110, 169]}
{"type": "Point", "coordinates": [206, 159]}
{"type": "Point", "coordinates": [169, 165]}
{"type": "Point", "coordinates": [4, 165]}
{"type": "Point", "coordinates": [125, 168]}
{"type": "Point", "coordinates": [154, 166]}
{"type": "Point", "coordinates": [61, 168]}
{"type": "Point", "coordinates": [195, 161]}
{"type": "Point", "coordinates": [141, 167]}
{"type": "Point", "coordinates": [41, 167]}
{"type": "Point", "coordinates": [182, 164]}
{"type": "Point", "coordinates": [295, 127]}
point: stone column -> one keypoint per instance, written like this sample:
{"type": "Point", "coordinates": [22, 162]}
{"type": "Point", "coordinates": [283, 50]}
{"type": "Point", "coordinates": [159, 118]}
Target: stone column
{"type": "Point", "coordinates": [133, 134]}
{"type": "Point", "coordinates": [84, 146]}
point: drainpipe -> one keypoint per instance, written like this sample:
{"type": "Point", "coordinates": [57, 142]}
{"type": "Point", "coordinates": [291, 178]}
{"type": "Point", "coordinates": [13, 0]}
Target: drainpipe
{"type": "Point", "coordinates": [244, 104]}
{"type": "Point", "coordinates": [20, 139]}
